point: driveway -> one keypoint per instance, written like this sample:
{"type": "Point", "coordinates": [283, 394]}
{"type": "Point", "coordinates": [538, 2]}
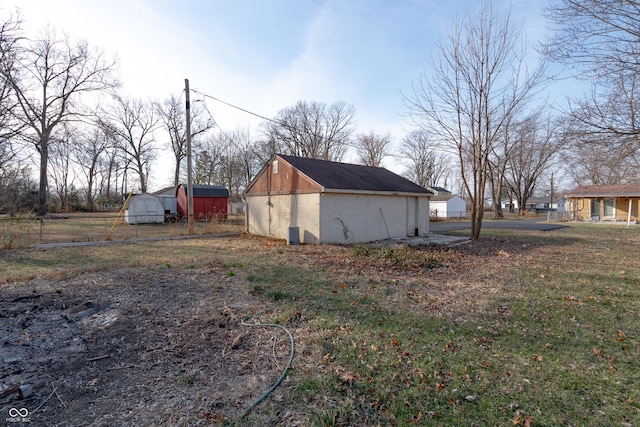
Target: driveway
{"type": "Point", "coordinates": [516, 224]}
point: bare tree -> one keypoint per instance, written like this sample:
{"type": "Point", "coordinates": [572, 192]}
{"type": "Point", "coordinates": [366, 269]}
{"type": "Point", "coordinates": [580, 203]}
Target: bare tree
{"type": "Point", "coordinates": [132, 123]}
{"type": "Point", "coordinates": [426, 166]}
{"type": "Point", "coordinates": [239, 160]}
{"type": "Point", "coordinates": [598, 38]}
{"type": "Point", "coordinates": [610, 117]}
{"type": "Point", "coordinates": [498, 162]}
{"type": "Point", "coordinates": [479, 81]}
{"type": "Point", "coordinates": [111, 165]}
{"type": "Point", "coordinates": [372, 148]}
{"type": "Point", "coordinates": [593, 159]}
{"type": "Point", "coordinates": [600, 41]}
{"type": "Point", "coordinates": [538, 141]}
{"type": "Point", "coordinates": [49, 79]}
{"type": "Point", "coordinates": [229, 172]}
{"type": "Point", "coordinates": [17, 189]}
{"type": "Point", "coordinates": [60, 166]}
{"type": "Point", "coordinates": [87, 152]}
{"type": "Point", "coordinates": [10, 35]}
{"type": "Point", "coordinates": [311, 129]}
{"type": "Point", "coordinates": [247, 161]}
{"type": "Point", "coordinates": [207, 158]}
{"type": "Point", "coordinates": [226, 159]}
{"type": "Point", "coordinates": [173, 116]}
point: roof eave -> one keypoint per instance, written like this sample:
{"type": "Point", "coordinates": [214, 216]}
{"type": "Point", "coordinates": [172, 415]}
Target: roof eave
{"type": "Point", "coordinates": [374, 192]}
{"type": "Point", "coordinates": [608, 195]}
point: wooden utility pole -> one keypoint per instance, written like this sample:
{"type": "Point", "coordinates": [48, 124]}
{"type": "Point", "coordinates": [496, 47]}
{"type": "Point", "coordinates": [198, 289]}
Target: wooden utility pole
{"type": "Point", "coordinates": [190, 221]}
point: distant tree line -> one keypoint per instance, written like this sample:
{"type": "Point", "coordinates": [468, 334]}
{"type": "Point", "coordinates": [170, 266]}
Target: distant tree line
{"type": "Point", "coordinates": [70, 139]}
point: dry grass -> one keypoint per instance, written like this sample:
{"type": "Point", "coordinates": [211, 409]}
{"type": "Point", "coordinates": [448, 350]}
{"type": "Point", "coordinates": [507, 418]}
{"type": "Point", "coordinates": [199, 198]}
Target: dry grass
{"type": "Point", "coordinates": [520, 329]}
{"type": "Point", "coordinates": [26, 232]}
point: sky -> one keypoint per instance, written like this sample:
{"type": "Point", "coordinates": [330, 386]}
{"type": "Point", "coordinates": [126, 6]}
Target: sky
{"type": "Point", "coordinates": [265, 55]}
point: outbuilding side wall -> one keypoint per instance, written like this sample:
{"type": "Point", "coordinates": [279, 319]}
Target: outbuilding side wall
{"type": "Point", "coordinates": [358, 218]}
{"type": "Point", "coordinates": [454, 207]}
{"type": "Point", "coordinates": [204, 207]}
{"type": "Point", "coordinates": [272, 215]}
{"type": "Point", "coordinates": [144, 209]}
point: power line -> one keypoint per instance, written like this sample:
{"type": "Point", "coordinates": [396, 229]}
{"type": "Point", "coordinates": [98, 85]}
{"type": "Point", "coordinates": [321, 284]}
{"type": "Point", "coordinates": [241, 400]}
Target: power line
{"type": "Point", "coordinates": [237, 108]}
{"type": "Point", "coordinates": [215, 122]}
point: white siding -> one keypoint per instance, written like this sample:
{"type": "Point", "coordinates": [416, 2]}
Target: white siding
{"type": "Point", "coordinates": [144, 209]}
{"type": "Point", "coordinates": [455, 207]}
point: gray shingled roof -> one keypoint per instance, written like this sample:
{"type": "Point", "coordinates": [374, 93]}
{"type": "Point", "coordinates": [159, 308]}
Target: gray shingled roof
{"type": "Point", "coordinates": [347, 176]}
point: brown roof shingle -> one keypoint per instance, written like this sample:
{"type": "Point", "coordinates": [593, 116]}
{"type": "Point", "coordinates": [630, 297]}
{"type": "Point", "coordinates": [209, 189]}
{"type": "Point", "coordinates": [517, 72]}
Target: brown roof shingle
{"type": "Point", "coordinates": [622, 190]}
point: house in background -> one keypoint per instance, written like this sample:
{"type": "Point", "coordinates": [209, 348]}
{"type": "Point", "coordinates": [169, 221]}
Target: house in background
{"type": "Point", "coordinates": [604, 202]}
{"type": "Point", "coordinates": [536, 204]}
{"type": "Point", "coordinates": [444, 205]}
{"type": "Point", "coordinates": [318, 201]}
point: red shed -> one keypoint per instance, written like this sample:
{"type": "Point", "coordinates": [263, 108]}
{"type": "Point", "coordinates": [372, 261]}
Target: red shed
{"type": "Point", "coordinates": [209, 201]}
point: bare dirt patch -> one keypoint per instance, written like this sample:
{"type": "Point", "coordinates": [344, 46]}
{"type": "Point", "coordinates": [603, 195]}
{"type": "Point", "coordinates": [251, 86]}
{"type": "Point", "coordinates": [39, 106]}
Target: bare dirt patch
{"type": "Point", "coordinates": [164, 346]}
{"type": "Point", "coordinates": [133, 347]}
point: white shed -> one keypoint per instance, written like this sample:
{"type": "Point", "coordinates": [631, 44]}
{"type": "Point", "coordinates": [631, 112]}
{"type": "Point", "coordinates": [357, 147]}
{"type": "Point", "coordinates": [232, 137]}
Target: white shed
{"type": "Point", "coordinates": [144, 208]}
{"type": "Point", "coordinates": [318, 201]}
{"type": "Point", "coordinates": [447, 206]}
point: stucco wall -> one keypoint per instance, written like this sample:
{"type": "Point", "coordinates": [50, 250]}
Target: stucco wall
{"type": "Point", "coordinates": [273, 215]}
{"type": "Point", "coordinates": [350, 218]}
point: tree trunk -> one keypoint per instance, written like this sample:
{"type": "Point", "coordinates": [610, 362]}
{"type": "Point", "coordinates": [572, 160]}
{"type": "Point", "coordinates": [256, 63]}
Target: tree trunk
{"type": "Point", "coordinates": [41, 209]}
{"type": "Point", "coordinates": [90, 179]}
{"type": "Point", "coordinates": [496, 191]}
{"type": "Point", "coordinates": [176, 174]}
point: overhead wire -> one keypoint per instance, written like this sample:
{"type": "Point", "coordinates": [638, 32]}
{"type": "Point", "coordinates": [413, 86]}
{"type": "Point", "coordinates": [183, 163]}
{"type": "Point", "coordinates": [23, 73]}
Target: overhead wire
{"type": "Point", "coordinates": [215, 123]}
{"type": "Point", "coordinates": [236, 107]}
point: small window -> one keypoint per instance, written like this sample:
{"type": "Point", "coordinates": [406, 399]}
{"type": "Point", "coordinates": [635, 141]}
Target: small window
{"type": "Point", "coordinates": [275, 167]}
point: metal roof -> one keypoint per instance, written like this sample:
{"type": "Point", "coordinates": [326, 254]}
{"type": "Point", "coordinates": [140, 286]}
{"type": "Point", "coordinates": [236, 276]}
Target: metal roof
{"type": "Point", "coordinates": [207, 190]}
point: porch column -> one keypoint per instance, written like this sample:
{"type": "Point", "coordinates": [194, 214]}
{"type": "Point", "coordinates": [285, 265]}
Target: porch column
{"type": "Point", "coordinates": [601, 211]}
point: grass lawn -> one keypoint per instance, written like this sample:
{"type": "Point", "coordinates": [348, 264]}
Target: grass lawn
{"type": "Point", "coordinates": [519, 329]}
{"type": "Point", "coordinates": [16, 233]}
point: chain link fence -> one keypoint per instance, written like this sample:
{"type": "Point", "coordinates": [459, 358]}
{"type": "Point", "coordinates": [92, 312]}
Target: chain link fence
{"type": "Point", "coordinates": [25, 232]}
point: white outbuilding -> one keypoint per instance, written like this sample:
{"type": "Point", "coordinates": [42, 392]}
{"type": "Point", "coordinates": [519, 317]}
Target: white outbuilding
{"type": "Point", "coordinates": [317, 201]}
{"type": "Point", "coordinates": [447, 206]}
{"type": "Point", "coordinates": [144, 208]}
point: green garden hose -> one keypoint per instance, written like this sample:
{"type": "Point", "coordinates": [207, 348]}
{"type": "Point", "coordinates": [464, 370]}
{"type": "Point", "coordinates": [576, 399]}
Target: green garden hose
{"type": "Point", "coordinates": [286, 369]}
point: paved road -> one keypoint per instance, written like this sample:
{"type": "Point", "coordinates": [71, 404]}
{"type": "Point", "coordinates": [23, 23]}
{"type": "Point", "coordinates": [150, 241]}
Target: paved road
{"type": "Point", "coordinates": [518, 224]}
